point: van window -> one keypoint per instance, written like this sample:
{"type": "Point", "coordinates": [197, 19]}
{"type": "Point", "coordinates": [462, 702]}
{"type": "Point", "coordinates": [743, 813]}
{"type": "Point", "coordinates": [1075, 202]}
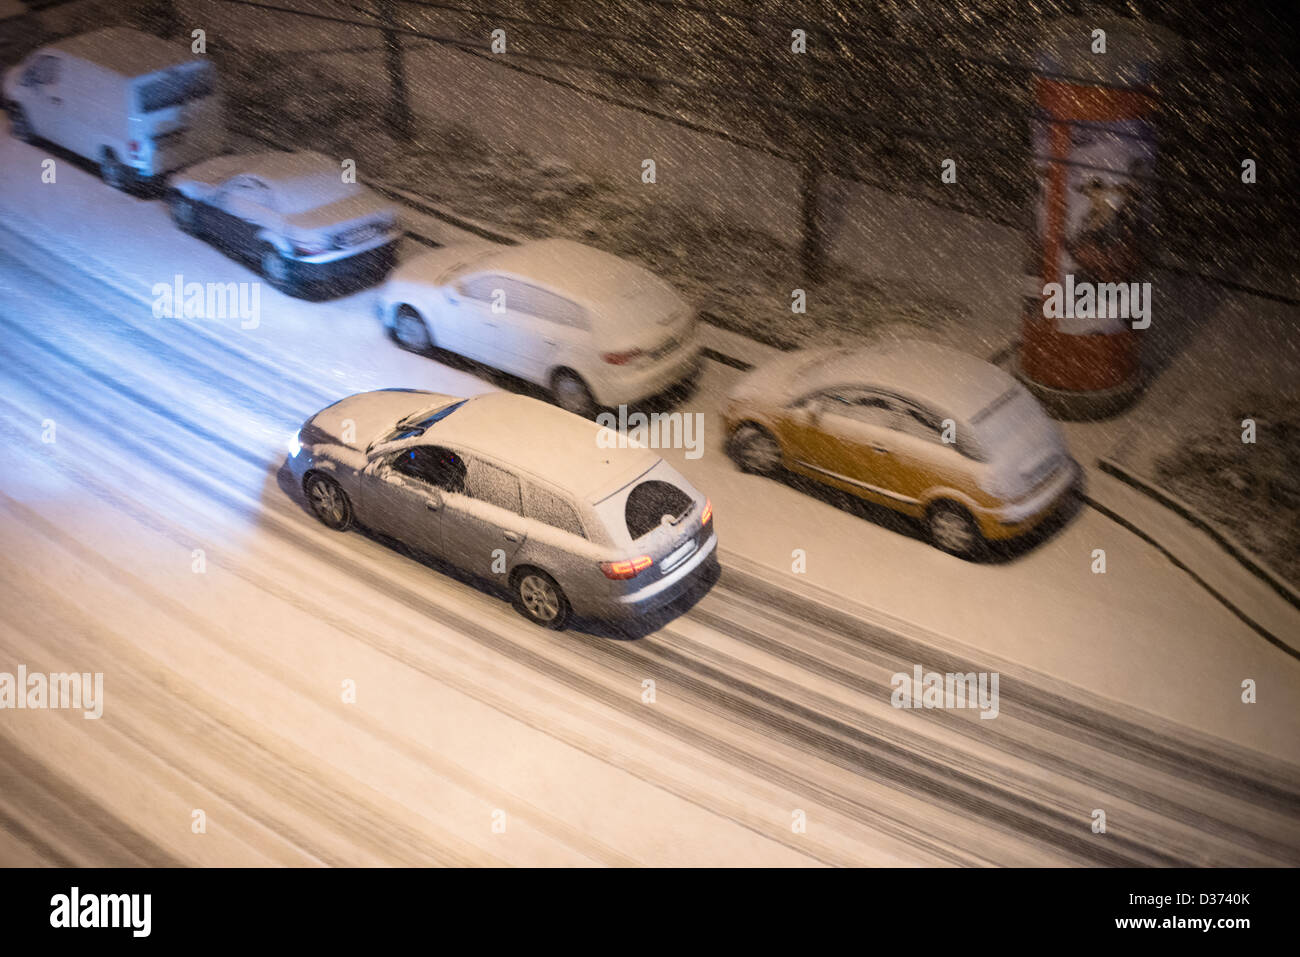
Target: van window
{"type": "Point", "coordinates": [549, 509]}
{"type": "Point", "coordinates": [649, 502]}
{"type": "Point", "coordinates": [493, 485]}
{"type": "Point", "coordinates": [175, 87]}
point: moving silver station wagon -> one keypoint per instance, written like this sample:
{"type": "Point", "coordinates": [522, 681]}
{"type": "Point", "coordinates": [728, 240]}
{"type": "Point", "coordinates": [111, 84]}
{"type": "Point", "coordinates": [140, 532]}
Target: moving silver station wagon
{"type": "Point", "coordinates": [515, 490]}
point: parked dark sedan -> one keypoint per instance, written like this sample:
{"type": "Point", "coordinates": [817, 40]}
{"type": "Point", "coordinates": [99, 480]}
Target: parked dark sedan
{"type": "Point", "coordinates": [292, 215]}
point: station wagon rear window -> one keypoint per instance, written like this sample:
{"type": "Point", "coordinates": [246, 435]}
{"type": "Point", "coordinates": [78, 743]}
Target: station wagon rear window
{"type": "Point", "coordinates": [176, 87]}
{"type": "Point", "coordinates": [649, 502]}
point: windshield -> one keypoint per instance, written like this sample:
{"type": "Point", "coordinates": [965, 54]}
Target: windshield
{"type": "Point", "coordinates": [1008, 417]}
{"type": "Point", "coordinates": [419, 422]}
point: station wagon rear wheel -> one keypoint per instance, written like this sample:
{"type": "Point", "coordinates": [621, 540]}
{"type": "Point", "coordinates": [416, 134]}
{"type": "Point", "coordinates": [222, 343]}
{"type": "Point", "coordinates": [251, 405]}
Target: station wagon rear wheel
{"type": "Point", "coordinates": [541, 600]}
{"type": "Point", "coordinates": [18, 124]}
{"type": "Point", "coordinates": [411, 331]}
{"type": "Point", "coordinates": [572, 395]}
{"type": "Point", "coordinates": [754, 449]}
{"type": "Point", "coordinates": [329, 502]}
{"type": "Point", "coordinates": [951, 529]}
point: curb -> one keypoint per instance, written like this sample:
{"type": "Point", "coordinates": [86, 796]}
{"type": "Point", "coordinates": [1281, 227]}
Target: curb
{"type": "Point", "coordinates": [1230, 546]}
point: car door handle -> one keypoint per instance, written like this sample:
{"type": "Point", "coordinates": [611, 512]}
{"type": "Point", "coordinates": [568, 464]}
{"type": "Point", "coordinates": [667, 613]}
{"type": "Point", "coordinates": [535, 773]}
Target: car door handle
{"type": "Point", "coordinates": [431, 505]}
{"type": "Point", "coordinates": [881, 448]}
{"type": "Point", "coordinates": [57, 101]}
{"type": "Point", "coordinates": [512, 536]}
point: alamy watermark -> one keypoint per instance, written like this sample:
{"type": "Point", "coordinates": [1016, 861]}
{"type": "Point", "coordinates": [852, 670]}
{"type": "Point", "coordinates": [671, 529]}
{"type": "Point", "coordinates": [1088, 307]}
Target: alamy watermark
{"type": "Point", "coordinates": [930, 689]}
{"type": "Point", "coordinates": [1085, 301]}
{"type": "Point", "coordinates": [208, 300]}
{"type": "Point", "coordinates": [659, 430]}
{"type": "Point", "coordinates": [57, 690]}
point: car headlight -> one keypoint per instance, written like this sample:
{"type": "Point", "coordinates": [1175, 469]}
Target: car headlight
{"type": "Point", "coordinates": [295, 444]}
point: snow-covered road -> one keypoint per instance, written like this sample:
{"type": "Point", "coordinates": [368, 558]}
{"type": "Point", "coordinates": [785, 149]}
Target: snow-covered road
{"type": "Point", "coordinates": [224, 687]}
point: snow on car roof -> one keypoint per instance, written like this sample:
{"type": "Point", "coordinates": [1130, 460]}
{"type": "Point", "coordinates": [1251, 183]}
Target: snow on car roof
{"type": "Point", "coordinates": [585, 273]}
{"type": "Point", "coordinates": [945, 379]}
{"type": "Point", "coordinates": [125, 51]}
{"type": "Point", "coordinates": [302, 180]}
{"type": "Point", "coordinates": [536, 437]}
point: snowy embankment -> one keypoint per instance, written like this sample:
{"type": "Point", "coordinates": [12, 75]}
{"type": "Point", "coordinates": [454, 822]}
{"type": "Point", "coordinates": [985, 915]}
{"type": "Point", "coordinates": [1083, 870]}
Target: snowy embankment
{"type": "Point", "coordinates": [1143, 634]}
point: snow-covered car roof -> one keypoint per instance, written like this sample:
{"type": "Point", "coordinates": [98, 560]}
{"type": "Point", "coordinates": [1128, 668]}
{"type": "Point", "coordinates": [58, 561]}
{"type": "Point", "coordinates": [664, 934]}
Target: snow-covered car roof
{"type": "Point", "coordinates": [302, 181]}
{"type": "Point", "coordinates": [125, 51]}
{"type": "Point", "coordinates": [585, 273]}
{"type": "Point", "coordinates": [551, 444]}
{"type": "Point", "coordinates": [950, 381]}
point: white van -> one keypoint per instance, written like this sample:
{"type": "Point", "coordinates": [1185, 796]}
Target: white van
{"type": "Point", "coordinates": [138, 106]}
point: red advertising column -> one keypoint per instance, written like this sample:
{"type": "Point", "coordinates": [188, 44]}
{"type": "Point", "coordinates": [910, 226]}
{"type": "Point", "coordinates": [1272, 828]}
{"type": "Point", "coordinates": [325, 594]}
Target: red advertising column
{"type": "Point", "coordinates": [1094, 146]}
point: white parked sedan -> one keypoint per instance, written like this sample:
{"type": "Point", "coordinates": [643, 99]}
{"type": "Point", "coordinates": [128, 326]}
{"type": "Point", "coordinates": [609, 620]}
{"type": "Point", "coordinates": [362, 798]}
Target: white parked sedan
{"type": "Point", "coordinates": [592, 328]}
{"type": "Point", "coordinates": [290, 214]}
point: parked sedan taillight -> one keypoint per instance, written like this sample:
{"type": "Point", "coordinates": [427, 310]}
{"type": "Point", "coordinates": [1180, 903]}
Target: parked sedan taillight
{"type": "Point", "coordinates": [629, 568]}
{"type": "Point", "coordinates": [622, 358]}
{"type": "Point", "coordinates": [707, 516]}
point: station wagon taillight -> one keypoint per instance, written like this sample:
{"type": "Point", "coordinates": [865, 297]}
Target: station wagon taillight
{"type": "Point", "coordinates": [629, 568]}
{"type": "Point", "coordinates": [622, 358]}
{"type": "Point", "coordinates": [708, 512]}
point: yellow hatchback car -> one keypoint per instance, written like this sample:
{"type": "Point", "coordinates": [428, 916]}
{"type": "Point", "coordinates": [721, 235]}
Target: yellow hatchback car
{"type": "Point", "coordinates": [923, 429]}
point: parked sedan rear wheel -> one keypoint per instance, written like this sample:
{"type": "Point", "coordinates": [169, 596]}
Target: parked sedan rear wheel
{"type": "Point", "coordinates": [754, 449]}
{"type": "Point", "coordinates": [411, 331]}
{"type": "Point", "coordinates": [276, 269]}
{"type": "Point", "coordinates": [540, 599]}
{"type": "Point", "coordinates": [185, 213]}
{"type": "Point", "coordinates": [19, 124]}
{"type": "Point", "coordinates": [572, 395]}
{"type": "Point", "coordinates": [329, 502]}
{"type": "Point", "coordinates": [952, 529]}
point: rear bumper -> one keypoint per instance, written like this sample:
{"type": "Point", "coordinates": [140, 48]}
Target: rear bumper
{"type": "Point", "coordinates": [633, 385]}
{"type": "Point", "coordinates": [664, 591]}
{"type": "Point", "coordinates": [363, 269]}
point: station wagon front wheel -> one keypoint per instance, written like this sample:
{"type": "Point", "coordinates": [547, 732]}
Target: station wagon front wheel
{"type": "Point", "coordinates": [540, 599]}
{"type": "Point", "coordinates": [329, 502]}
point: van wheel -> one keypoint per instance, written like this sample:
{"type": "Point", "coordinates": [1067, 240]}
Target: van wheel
{"type": "Point", "coordinates": [112, 172]}
{"type": "Point", "coordinates": [540, 600]}
{"type": "Point", "coordinates": [185, 213]}
{"type": "Point", "coordinates": [754, 449]}
{"type": "Point", "coordinates": [411, 331]}
{"type": "Point", "coordinates": [329, 502]}
{"type": "Point", "coordinates": [951, 529]}
{"type": "Point", "coordinates": [572, 395]}
{"type": "Point", "coordinates": [276, 270]}
{"type": "Point", "coordinates": [18, 124]}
